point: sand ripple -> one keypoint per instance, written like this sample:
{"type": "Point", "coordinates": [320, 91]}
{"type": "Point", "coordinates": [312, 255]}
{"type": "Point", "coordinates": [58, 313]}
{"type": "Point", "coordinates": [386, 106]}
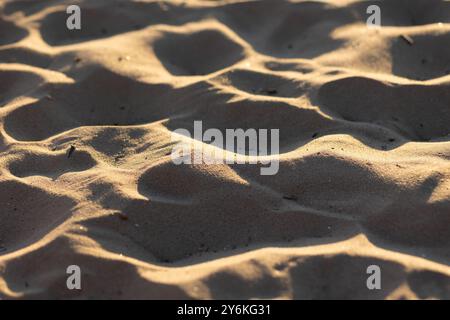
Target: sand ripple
{"type": "Point", "coordinates": [364, 177]}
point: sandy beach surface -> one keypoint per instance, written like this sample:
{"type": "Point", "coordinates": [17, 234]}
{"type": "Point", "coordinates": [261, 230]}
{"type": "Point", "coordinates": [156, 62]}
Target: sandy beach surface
{"type": "Point", "coordinates": [87, 177]}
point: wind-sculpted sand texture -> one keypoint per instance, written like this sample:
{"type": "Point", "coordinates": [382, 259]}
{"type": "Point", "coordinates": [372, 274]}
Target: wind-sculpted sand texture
{"type": "Point", "coordinates": [364, 177]}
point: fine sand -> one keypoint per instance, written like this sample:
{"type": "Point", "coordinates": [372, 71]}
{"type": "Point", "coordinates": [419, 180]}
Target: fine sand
{"type": "Point", "coordinates": [364, 176]}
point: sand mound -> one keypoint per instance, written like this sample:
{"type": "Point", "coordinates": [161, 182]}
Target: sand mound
{"type": "Point", "coordinates": [86, 176]}
{"type": "Point", "coordinates": [10, 33]}
{"type": "Point", "coordinates": [185, 54]}
{"type": "Point", "coordinates": [419, 112]}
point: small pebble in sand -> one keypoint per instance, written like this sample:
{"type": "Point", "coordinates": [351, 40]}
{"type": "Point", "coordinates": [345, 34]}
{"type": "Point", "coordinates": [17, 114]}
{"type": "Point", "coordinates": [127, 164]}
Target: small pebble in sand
{"type": "Point", "coordinates": [71, 151]}
{"type": "Point", "coordinates": [127, 58]}
{"type": "Point", "coordinates": [407, 39]}
{"type": "Point", "coordinates": [270, 91]}
{"type": "Point", "coordinates": [122, 216]}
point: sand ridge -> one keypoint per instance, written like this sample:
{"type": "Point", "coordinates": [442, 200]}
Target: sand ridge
{"type": "Point", "coordinates": [364, 177]}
